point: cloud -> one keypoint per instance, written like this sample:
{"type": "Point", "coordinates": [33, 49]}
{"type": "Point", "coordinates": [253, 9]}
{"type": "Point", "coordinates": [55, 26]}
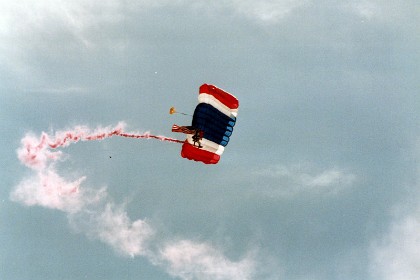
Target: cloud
{"type": "Point", "coordinates": [304, 178]}
{"type": "Point", "coordinates": [39, 37]}
{"type": "Point", "coordinates": [397, 255]}
{"type": "Point", "coordinates": [384, 11]}
{"type": "Point", "coordinates": [266, 11]}
{"type": "Point", "coordinates": [29, 23]}
{"type": "Point", "coordinates": [365, 9]}
{"type": "Point", "coordinates": [74, 17]}
{"type": "Point", "coordinates": [191, 260]}
{"type": "Point", "coordinates": [41, 42]}
{"type": "Point", "coordinates": [73, 90]}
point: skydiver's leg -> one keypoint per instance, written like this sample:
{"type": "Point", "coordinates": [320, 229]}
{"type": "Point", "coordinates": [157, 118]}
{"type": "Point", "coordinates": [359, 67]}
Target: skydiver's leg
{"type": "Point", "coordinates": [195, 138]}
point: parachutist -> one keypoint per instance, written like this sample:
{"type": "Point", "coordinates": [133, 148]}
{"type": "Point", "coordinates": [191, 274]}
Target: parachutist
{"type": "Point", "coordinates": [198, 135]}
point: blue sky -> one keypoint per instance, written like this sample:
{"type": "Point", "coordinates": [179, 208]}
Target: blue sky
{"type": "Point", "coordinates": [320, 179]}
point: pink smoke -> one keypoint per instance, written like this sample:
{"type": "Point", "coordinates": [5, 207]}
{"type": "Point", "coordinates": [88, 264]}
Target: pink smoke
{"type": "Point", "coordinates": [108, 221]}
{"type": "Point", "coordinates": [91, 211]}
{"type": "Point", "coordinates": [35, 153]}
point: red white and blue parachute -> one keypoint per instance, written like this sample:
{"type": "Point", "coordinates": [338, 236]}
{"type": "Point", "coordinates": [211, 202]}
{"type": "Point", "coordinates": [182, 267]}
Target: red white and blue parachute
{"type": "Point", "coordinates": [214, 118]}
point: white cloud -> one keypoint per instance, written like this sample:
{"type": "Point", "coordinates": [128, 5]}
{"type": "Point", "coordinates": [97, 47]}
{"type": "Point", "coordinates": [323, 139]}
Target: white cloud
{"type": "Point", "coordinates": [397, 255]}
{"type": "Point", "coordinates": [365, 9]}
{"type": "Point", "coordinates": [190, 260]}
{"type": "Point", "coordinates": [20, 19]}
{"type": "Point", "coordinates": [384, 11]}
{"type": "Point", "coordinates": [300, 178]}
{"type": "Point", "coordinates": [61, 90]}
{"type": "Point", "coordinates": [74, 17]}
{"type": "Point", "coordinates": [326, 178]}
{"type": "Point", "coordinates": [34, 32]}
{"type": "Point", "coordinates": [266, 11]}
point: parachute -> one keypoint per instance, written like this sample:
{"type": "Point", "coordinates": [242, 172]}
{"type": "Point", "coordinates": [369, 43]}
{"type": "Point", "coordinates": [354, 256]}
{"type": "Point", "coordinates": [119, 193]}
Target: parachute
{"type": "Point", "coordinates": [212, 125]}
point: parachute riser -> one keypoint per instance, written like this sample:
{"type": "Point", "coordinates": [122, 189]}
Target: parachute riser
{"type": "Point", "coordinates": [183, 114]}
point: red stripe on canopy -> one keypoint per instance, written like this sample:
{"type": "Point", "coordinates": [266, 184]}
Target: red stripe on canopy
{"type": "Point", "coordinates": [226, 98]}
{"type": "Point", "coordinates": [194, 153]}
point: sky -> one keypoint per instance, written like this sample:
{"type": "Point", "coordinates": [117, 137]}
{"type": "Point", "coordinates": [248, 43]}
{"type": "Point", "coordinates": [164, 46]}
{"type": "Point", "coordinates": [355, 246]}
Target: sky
{"type": "Point", "coordinates": [319, 181]}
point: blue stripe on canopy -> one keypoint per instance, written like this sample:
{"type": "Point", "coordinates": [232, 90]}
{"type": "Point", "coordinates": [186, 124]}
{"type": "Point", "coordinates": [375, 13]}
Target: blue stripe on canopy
{"type": "Point", "coordinates": [217, 127]}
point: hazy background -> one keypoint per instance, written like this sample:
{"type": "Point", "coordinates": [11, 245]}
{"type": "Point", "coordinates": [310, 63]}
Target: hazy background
{"type": "Point", "coordinates": [319, 181]}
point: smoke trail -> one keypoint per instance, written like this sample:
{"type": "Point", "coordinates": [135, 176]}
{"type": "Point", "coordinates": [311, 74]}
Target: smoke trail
{"type": "Point", "coordinates": [108, 222]}
{"type": "Point", "coordinates": [35, 153]}
{"type": "Point", "coordinates": [91, 211]}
